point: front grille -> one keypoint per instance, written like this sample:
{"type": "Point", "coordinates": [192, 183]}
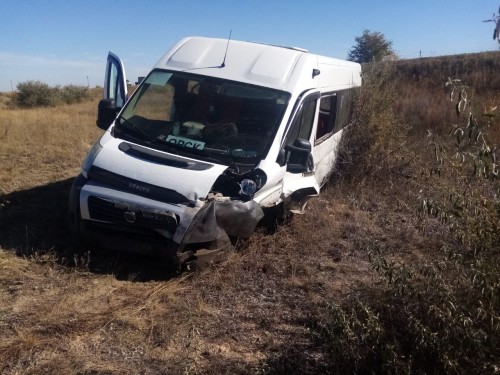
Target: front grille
{"type": "Point", "coordinates": [136, 187]}
{"type": "Point", "coordinates": [119, 213]}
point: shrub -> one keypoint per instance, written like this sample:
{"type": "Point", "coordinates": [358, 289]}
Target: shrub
{"type": "Point", "coordinates": [440, 314]}
{"type": "Point", "coordinates": [434, 317]}
{"type": "Point", "coordinates": [375, 144]}
{"type": "Point", "coordinates": [74, 94]}
{"type": "Point", "coordinates": [31, 94]}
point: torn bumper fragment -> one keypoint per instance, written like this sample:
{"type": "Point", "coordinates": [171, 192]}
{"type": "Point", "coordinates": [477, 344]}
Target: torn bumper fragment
{"type": "Point", "coordinates": [126, 222]}
{"type": "Point", "coordinates": [208, 235]}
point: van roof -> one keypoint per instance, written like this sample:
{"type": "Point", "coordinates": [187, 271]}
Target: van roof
{"type": "Point", "coordinates": [255, 63]}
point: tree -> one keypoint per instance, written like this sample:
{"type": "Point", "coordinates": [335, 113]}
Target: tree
{"type": "Point", "coordinates": [371, 46]}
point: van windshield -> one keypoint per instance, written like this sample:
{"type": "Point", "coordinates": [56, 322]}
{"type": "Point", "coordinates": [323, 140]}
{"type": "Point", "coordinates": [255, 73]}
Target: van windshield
{"type": "Point", "coordinates": [204, 117]}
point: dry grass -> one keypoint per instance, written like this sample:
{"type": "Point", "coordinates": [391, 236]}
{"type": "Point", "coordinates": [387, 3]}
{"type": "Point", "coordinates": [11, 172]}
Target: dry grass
{"type": "Point", "coordinates": [422, 99]}
{"type": "Point", "coordinates": [95, 312]}
{"type": "Point", "coordinates": [40, 145]}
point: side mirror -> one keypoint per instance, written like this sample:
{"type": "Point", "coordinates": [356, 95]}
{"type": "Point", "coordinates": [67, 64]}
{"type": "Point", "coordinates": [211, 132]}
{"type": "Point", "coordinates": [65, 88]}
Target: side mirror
{"type": "Point", "coordinates": [106, 113]}
{"type": "Point", "coordinates": [298, 156]}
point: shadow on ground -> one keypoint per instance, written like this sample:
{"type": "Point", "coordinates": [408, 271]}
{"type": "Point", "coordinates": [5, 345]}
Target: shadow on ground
{"type": "Point", "coordinates": [34, 221]}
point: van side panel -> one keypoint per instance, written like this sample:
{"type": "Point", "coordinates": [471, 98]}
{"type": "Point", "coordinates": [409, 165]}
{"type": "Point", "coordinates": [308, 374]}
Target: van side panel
{"type": "Point", "coordinates": [337, 73]}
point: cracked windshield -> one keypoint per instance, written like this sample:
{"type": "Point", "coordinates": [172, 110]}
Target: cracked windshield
{"type": "Point", "coordinates": [204, 117]}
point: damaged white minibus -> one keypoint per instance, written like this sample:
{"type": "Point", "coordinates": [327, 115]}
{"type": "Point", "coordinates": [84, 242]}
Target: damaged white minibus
{"type": "Point", "coordinates": [218, 133]}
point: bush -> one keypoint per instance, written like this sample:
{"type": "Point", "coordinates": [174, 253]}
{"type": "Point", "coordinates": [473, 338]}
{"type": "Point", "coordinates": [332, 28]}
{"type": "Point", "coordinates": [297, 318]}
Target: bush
{"type": "Point", "coordinates": [439, 314]}
{"type": "Point", "coordinates": [31, 94]}
{"type": "Point", "coordinates": [375, 144]}
{"type": "Point", "coordinates": [74, 94]}
{"type": "Point", "coordinates": [435, 317]}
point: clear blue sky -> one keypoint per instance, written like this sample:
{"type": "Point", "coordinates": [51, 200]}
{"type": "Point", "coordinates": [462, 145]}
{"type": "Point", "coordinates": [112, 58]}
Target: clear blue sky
{"type": "Point", "coordinates": [66, 41]}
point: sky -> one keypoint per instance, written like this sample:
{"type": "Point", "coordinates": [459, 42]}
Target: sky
{"type": "Point", "coordinates": [62, 42]}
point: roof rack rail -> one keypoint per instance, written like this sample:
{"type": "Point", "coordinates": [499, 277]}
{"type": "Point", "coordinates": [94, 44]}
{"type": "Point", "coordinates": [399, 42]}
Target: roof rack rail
{"type": "Point", "coordinates": [277, 45]}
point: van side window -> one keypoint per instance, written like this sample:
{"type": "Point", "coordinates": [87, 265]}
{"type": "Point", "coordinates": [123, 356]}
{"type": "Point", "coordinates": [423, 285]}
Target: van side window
{"type": "Point", "coordinates": [335, 113]}
{"type": "Point", "coordinates": [344, 109]}
{"type": "Point", "coordinates": [326, 116]}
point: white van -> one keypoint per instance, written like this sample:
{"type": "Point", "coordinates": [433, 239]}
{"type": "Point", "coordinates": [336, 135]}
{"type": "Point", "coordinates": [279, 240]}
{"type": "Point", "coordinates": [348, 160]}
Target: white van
{"type": "Point", "coordinates": [218, 133]}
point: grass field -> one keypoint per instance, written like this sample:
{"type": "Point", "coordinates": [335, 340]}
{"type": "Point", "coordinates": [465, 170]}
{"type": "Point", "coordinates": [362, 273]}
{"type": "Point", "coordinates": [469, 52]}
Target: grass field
{"type": "Point", "coordinates": [356, 284]}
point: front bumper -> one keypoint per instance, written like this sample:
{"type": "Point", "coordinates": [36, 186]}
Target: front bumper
{"type": "Point", "coordinates": [126, 222]}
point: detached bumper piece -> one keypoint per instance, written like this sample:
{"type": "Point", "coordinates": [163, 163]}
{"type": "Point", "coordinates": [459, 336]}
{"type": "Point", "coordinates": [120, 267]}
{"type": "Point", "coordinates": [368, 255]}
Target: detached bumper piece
{"type": "Point", "coordinates": [208, 237]}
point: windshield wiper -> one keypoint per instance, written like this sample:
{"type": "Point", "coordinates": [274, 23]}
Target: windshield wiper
{"type": "Point", "coordinates": [147, 138]}
{"type": "Point", "coordinates": [135, 129]}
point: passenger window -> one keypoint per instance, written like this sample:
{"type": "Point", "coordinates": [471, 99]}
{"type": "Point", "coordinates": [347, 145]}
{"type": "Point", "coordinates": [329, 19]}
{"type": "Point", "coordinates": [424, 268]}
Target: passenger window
{"type": "Point", "coordinates": [302, 124]}
{"type": "Point", "coordinates": [301, 127]}
{"type": "Point", "coordinates": [344, 109]}
{"type": "Point", "coordinates": [326, 116]}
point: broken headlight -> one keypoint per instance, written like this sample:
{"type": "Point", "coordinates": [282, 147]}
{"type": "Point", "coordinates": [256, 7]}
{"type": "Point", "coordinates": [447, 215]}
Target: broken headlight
{"type": "Point", "coordinates": [248, 187]}
{"type": "Point", "coordinates": [242, 186]}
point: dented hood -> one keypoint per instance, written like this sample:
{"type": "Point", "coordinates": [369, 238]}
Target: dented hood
{"type": "Point", "coordinates": [189, 177]}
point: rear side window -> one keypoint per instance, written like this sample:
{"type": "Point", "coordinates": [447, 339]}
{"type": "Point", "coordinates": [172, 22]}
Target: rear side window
{"type": "Point", "coordinates": [344, 109]}
{"type": "Point", "coordinates": [335, 113]}
{"type": "Point", "coordinates": [326, 116]}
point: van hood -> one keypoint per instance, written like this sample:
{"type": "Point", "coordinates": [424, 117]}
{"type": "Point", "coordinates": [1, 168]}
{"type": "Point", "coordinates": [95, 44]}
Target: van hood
{"type": "Point", "coordinates": [191, 178]}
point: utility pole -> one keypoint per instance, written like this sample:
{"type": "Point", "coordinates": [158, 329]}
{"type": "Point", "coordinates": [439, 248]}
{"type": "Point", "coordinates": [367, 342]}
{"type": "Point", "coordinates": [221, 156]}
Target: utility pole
{"type": "Point", "coordinates": [11, 86]}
